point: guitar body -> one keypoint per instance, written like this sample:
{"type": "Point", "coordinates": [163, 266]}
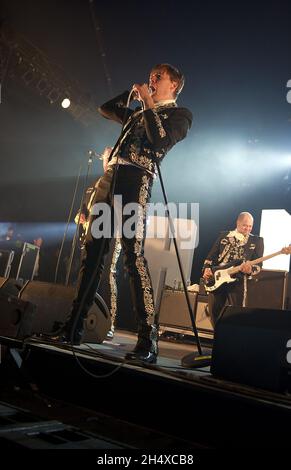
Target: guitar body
{"type": "Point", "coordinates": [220, 277]}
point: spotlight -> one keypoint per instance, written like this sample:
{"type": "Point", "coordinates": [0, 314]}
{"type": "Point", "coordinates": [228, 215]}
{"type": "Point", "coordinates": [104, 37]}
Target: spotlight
{"type": "Point", "coordinates": [66, 103]}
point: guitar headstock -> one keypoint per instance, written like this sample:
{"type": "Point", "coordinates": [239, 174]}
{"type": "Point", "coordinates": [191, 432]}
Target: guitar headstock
{"type": "Point", "coordinates": [286, 250]}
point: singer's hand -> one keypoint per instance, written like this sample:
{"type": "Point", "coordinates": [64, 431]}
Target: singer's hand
{"type": "Point", "coordinates": [142, 93]}
{"type": "Point", "coordinates": [106, 153]}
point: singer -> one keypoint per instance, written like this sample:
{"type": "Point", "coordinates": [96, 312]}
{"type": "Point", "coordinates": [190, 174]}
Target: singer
{"type": "Point", "coordinates": [148, 133]}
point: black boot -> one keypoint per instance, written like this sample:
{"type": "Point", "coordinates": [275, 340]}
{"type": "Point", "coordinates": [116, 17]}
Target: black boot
{"type": "Point", "coordinates": [146, 349]}
{"type": "Point", "coordinates": [64, 335]}
{"type": "Point", "coordinates": [73, 336]}
{"type": "Point", "coordinates": [67, 333]}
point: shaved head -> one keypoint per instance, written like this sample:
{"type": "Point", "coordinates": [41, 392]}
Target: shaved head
{"type": "Point", "coordinates": [244, 223]}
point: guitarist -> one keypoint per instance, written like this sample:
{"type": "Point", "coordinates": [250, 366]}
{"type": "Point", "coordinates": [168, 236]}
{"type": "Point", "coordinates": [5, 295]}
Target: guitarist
{"type": "Point", "coordinates": [237, 247]}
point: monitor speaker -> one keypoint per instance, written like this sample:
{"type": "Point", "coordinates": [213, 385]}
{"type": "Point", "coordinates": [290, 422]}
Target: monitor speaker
{"type": "Point", "coordinates": [251, 347]}
{"type": "Point", "coordinates": [53, 303]}
{"type": "Point", "coordinates": [268, 289]}
{"type": "Point", "coordinates": [16, 315]}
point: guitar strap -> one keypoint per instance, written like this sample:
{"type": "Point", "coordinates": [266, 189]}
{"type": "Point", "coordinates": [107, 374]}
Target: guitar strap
{"type": "Point", "coordinates": [224, 253]}
{"type": "Point", "coordinates": [245, 293]}
{"type": "Point", "coordinates": [227, 249]}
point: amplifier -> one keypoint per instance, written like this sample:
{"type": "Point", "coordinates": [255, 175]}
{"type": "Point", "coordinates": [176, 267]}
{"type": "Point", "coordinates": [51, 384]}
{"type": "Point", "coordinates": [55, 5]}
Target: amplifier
{"type": "Point", "coordinates": [174, 311]}
{"type": "Point", "coordinates": [268, 289]}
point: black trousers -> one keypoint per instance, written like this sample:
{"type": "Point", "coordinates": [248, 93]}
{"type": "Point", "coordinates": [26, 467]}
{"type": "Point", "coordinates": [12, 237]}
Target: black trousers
{"type": "Point", "coordinates": [227, 294]}
{"type": "Point", "coordinates": [134, 186]}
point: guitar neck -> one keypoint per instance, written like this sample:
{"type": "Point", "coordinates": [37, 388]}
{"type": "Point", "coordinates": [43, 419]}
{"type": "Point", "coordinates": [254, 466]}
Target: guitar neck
{"type": "Point", "coordinates": [255, 261]}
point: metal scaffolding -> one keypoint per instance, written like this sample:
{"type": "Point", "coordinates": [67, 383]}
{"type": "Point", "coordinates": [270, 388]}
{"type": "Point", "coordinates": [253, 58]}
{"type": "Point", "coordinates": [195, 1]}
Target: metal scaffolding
{"type": "Point", "coordinates": [21, 60]}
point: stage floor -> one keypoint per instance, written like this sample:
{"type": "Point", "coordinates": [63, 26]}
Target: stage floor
{"type": "Point", "coordinates": [190, 405]}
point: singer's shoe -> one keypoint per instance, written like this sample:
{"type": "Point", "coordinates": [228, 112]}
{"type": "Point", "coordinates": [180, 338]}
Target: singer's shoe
{"type": "Point", "coordinates": [146, 349]}
{"type": "Point", "coordinates": [110, 334]}
{"type": "Point", "coordinates": [63, 335]}
{"type": "Point", "coordinates": [66, 338]}
{"type": "Point", "coordinates": [143, 356]}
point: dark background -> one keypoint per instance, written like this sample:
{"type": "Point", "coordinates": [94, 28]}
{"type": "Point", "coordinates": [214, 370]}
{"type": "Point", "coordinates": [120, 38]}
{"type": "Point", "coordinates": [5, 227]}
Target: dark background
{"type": "Point", "coordinates": [236, 59]}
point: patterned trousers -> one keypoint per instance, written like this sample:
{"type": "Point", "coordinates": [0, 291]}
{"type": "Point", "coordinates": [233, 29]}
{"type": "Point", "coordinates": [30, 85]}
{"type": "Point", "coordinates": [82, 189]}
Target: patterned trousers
{"type": "Point", "coordinates": [134, 186]}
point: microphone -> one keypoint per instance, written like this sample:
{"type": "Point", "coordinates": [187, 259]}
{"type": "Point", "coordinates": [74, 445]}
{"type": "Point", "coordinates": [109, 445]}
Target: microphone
{"type": "Point", "coordinates": [135, 94]}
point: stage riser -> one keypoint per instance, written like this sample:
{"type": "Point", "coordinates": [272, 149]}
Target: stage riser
{"type": "Point", "coordinates": [161, 402]}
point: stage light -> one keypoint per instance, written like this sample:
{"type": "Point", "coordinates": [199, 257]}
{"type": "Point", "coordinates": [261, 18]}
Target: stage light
{"type": "Point", "coordinates": [66, 103]}
{"type": "Point", "coordinates": [283, 160]}
{"type": "Point", "coordinates": [275, 229]}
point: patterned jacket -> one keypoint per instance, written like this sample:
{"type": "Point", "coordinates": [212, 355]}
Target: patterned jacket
{"type": "Point", "coordinates": [147, 135]}
{"type": "Point", "coordinates": [229, 249]}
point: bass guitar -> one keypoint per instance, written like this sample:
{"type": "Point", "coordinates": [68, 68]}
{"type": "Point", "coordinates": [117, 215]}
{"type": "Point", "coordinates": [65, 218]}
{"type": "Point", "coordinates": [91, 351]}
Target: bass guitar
{"type": "Point", "coordinates": [222, 275]}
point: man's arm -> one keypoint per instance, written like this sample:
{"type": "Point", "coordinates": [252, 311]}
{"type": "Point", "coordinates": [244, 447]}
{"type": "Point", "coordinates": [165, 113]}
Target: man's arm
{"type": "Point", "coordinates": [163, 134]}
{"type": "Point", "coordinates": [116, 109]}
{"type": "Point", "coordinates": [212, 258]}
{"type": "Point", "coordinates": [258, 252]}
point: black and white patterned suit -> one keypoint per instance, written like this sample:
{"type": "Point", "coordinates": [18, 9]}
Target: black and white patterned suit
{"type": "Point", "coordinates": [146, 138]}
{"type": "Point", "coordinates": [230, 249]}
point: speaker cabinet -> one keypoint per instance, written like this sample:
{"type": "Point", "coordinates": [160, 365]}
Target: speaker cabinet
{"type": "Point", "coordinates": [268, 289]}
{"type": "Point", "coordinates": [16, 317]}
{"type": "Point", "coordinates": [250, 347]}
{"type": "Point", "coordinates": [53, 303]}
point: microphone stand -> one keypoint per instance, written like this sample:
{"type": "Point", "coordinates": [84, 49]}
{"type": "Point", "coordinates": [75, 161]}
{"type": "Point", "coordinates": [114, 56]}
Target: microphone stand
{"type": "Point", "coordinates": [67, 227]}
{"type": "Point", "coordinates": [74, 241]}
{"type": "Point", "coordinates": [196, 359]}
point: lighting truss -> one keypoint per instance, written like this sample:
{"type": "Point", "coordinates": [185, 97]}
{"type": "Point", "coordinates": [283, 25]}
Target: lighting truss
{"type": "Point", "coordinates": [19, 59]}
